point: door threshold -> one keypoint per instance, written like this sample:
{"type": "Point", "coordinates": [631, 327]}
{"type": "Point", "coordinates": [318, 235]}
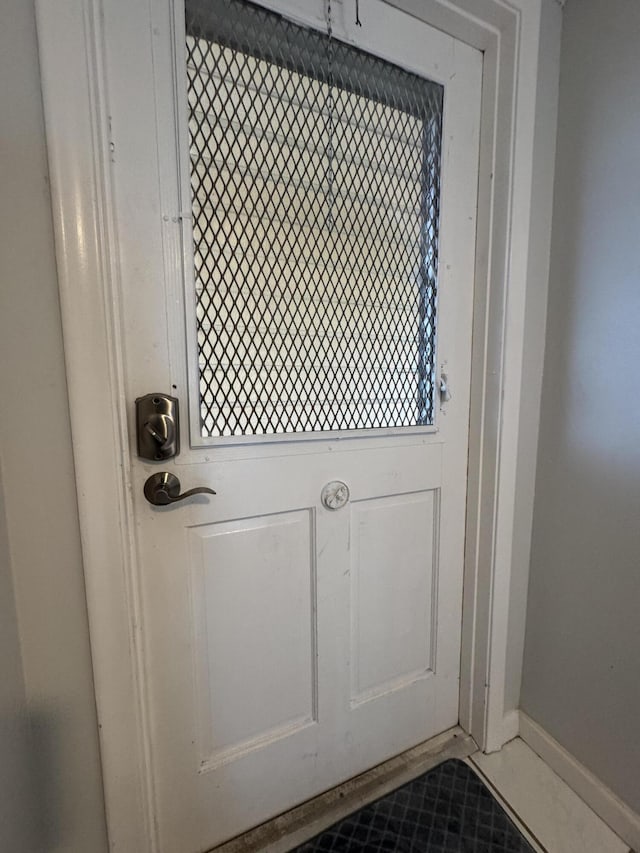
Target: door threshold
{"type": "Point", "coordinates": [294, 827]}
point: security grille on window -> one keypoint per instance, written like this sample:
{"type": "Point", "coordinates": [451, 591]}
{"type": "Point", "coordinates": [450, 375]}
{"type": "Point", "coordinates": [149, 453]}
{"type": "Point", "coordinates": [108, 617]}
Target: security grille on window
{"type": "Point", "coordinates": [315, 175]}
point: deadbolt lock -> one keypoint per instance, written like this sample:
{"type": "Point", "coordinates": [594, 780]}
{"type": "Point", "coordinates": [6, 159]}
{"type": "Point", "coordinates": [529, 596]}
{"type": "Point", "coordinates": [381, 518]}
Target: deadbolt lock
{"type": "Point", "coordinates": [157, 427]}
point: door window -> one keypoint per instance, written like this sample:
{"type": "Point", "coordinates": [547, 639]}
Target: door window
{"type": "Point", "coordinates": [315, 181]}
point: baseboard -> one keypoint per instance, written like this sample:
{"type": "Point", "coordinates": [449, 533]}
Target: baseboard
{"type": "Point", "coordinates": [510, 726]}
{"type": "Point", "coordinates": [622, 820]}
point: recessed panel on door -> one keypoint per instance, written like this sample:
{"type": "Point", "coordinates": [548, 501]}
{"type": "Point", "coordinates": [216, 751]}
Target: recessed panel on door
{"type": "Point", "coordinates": [393, 592]}
{"type": "Point", "coordinates": [254, 644]}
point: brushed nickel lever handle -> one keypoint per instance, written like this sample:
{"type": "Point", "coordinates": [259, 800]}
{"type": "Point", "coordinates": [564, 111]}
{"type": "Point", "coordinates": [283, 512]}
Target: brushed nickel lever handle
{"type": "Point", "coordinates": [163, 488]}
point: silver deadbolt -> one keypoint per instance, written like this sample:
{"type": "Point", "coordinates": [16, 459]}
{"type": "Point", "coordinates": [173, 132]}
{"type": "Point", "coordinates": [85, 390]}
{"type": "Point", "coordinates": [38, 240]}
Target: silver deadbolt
{"type": "Point", "coordinates": [157, 427]}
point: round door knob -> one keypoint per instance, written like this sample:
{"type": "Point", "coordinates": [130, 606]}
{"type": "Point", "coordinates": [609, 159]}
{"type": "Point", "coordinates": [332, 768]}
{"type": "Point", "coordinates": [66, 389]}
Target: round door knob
{"type": "Point", "coordinates": [335, 495]}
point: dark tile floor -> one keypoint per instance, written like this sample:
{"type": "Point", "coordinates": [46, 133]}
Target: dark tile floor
{"type": "Point", "coordinates": [447, 810]}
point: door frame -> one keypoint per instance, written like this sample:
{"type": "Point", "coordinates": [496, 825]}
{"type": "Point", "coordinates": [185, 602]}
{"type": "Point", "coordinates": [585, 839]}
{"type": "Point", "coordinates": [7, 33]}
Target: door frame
{"type": "Point", "coordinates": [520, 42]}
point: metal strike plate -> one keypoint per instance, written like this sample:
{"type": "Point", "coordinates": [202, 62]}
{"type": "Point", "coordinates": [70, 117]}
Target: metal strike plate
{"type": "Point", "coordinates": [157, 427]}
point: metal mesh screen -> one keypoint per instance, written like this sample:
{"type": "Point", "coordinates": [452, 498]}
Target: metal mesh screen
{"type": "Point", "coordinates": [315, 177]}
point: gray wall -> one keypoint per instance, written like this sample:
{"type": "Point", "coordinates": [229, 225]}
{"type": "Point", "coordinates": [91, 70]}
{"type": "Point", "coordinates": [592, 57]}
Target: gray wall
{"type": "Point", "coordinates": [50, 787]}
{"type": "Point", "coordinates": [582, 656]}
{"type": "Point", "coordinates": [15, 796]}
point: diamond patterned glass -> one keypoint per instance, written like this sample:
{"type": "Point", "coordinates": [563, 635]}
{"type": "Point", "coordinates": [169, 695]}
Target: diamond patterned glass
{"type": "Point", "coordinates": [315, 179]}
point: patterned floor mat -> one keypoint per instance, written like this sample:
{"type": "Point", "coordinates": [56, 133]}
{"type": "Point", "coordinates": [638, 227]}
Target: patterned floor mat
{"type": "Point", "coordinates": [447, 810]}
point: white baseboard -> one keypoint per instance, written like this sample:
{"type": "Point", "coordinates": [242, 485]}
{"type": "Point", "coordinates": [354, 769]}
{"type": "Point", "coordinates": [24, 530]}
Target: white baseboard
{"type": "Point", "coordinates": [622, 820]}
{"type": "Point", "coordinates": [510, 726]}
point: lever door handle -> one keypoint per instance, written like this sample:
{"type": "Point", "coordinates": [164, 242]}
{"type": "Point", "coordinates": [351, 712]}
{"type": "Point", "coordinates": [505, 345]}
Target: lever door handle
{"type": "Point", "coordinates": [163, 488]}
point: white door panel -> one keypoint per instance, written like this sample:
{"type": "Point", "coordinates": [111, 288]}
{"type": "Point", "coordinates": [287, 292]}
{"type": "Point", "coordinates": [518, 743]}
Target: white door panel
{"type": "Point", "coordinates": [266, 687]}
{"type": "Point", "coordinates": [287, 646]}
{"type": "Point", "coordinates": [391, 623]}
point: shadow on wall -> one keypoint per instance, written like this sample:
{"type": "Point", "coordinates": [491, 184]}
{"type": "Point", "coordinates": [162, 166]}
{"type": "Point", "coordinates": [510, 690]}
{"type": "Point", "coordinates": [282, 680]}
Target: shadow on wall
{"type": "Point", "coordinates": [29, 782]}
{"type": "Point", "coordinates": [30, 802]}
{"type": "Point", "coordinates": [582, 670]}
{"type": "Point", "coordinates": [21, 819]}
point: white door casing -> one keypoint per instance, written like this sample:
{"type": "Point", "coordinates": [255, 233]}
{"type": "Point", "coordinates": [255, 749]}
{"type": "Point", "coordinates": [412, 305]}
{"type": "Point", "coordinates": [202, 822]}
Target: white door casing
{"type": "Point", "coordinates": [74, 91]}
{"type": "Point", "coordinates": [281, 637]}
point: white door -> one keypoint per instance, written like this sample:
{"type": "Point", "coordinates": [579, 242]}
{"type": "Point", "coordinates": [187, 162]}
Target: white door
{"type": "Point", "coordinates": [297, 254]}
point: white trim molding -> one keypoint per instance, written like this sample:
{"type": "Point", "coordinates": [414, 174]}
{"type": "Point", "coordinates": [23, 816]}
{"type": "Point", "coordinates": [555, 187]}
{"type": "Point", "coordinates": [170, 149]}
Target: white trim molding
{"type": "Point", "coordinates": [78, 145]}
{"type": "Point", "coordinates": [510, 304]}
{"type": "Point", "coordinates": [511, 725]}
{"type": "Point", "coordinates": [616, 814]}
{"type": "Point", "coordinates": [521, 42]}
